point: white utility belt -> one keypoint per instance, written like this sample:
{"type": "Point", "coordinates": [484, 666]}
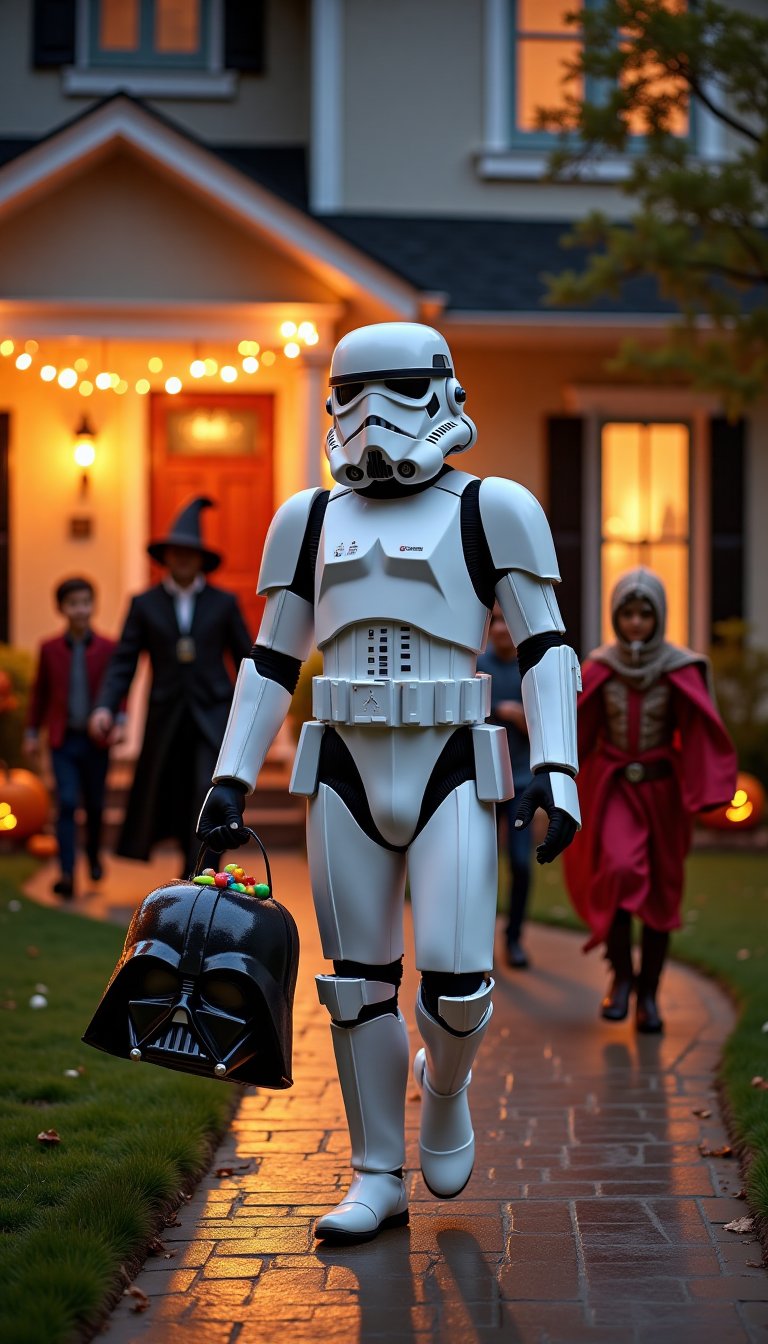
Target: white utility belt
{"type": "Point", "coordinates": [391, 703]}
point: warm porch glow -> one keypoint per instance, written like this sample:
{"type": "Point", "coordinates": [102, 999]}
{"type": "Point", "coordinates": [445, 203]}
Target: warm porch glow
{"type": "Point", "coordinates": [645, 513]}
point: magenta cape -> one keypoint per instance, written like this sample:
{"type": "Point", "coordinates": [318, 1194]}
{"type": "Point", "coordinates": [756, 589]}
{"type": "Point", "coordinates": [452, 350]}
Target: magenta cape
{"type": "Point", "coordinates": [631, 849]}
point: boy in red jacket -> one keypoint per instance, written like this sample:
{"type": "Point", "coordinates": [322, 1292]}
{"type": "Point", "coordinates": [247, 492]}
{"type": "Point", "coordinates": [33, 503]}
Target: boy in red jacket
{"type": "Point", "coordinates": [70, 669]}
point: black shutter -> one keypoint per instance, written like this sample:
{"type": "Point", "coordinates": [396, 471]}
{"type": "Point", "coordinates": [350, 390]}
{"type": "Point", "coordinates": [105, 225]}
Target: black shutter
{"type": "Point", "coordinates": [565, 438]}
{"type": "Point", "coordinates": [244, 35]}
{"type": "Point", "coordinates": [727, 482]}
{"type": "Point", "coordinates": [4, 524]}
{"type": "Point", "coordinates": [53, 32]}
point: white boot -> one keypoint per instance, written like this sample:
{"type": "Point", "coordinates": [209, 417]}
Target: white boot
{"type": "Point", "coordinates": [372, 1060]}
{"type": "Point", "coordinates": [443, 1072]}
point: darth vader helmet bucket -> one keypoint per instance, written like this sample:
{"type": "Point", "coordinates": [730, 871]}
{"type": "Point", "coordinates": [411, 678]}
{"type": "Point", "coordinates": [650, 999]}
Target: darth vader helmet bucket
{"type": "Point", "coordinates": [206, 980]}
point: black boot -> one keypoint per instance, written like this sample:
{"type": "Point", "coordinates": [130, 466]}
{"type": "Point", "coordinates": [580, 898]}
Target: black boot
{"type": "Point", "coordinates": [654, 954]}
{"type": "Point", "coordinates": [618, 950]}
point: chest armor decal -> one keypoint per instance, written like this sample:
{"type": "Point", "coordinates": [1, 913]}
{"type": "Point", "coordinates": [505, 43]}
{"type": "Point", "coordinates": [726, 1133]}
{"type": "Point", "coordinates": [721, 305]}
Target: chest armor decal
{"type": "Point", "coordinates": [397, 560]}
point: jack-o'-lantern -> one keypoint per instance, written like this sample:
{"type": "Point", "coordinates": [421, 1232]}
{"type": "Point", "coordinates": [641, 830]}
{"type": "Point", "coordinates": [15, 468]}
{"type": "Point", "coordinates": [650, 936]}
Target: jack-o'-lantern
{"type": "Point", "coordinates": [24, 803]}
{"type": "Point", "coordinates": [745, 809]}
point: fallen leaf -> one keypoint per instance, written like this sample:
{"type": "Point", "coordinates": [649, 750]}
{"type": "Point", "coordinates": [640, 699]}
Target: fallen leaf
{"type": "Point", "coordinates": [743, 954]}
{"type": "Point", "coordinates": [155, 1247]}
{"type": "Point", "coordinates": [173, 1221]}
{"type": "Point", "coordinates": [33, 951]}
{"type": "Point", "coordinates": [49, 1137]}
{"type": "Point", "coordinates": [140, 1299]}
{"type": "Point", "coordinates": [740, 1194]}
{"type": "Point", "coordinates": [740, 1225]}
{"type": "Point", "coordinates": [724, 1151]}
{"type": "Point", "coordinates": [169, 1255]}
{"type": "Point", "coordinates": [9, 1004]}
{"type": "Point", "coordinates": [760, 1083]}
{"type": "Point", "coordinates": [229, 1171]}
{"type": "Point", "coordinates": [702, 1112]}
{"type": "Point", "coordinates": [754, 1264]}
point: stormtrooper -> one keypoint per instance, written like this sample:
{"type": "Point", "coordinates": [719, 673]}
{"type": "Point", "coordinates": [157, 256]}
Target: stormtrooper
{"type": "Point", "coordinates": [393, 575]}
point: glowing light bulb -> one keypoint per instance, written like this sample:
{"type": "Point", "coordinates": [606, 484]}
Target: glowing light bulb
{"type": "Point", "coordinates": [197, 368]}
{"type": "Point", "coordinates": [142, 387]}
{"type": "Point", "coordinates": [114, 379]}
{"type": "Point", "coordinates": [121, 387]}
{"type": "Point", "coordinates": [81, 365]}
{"type": "Point", "coordinates": [211, 367]}
{"type": "Point", "coordinates": [292, 349]}
{"type": "Point", "coordinates": [250, 364]}
{"type": "Point", "coordinates": [306, 329]}
{"type": "Point", "coordinates": [228, 373]}
{"type": "Point", "coordinates": [288, 329]}
{"type": "Point", "coordinates": [7, 347]}
{"type": "Point", "coordinates": [23, 361]}
{"type": "Point", "coordinates": [31, 347]}
{"type": "Point", "coordinates": [85, 454]}
{"type": "Point", "coordinates": [155, 364]}
{"type": "Point", "coordinates": [67, 378]}
{"type": "Point", "coordinates": [244, 348]}
{"type": "Point", "coordinates": [311, 338]}
{"type": "Point", "coordinates": [103, 381]}
{"type": "Point", "coordinates": [268, 358]}
{"type": "Point", "coordinates": [48, 373]}
{"type": "Point", "coordinates": [86, 388]}
{"type": "Point", "coordinates": [172, 386]}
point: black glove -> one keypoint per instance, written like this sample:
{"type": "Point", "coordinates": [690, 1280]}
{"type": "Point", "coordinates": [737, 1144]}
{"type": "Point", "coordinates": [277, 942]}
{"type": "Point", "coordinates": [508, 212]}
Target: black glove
{"type": "Point", "coordinates": [220, 823]}
{"type": "Point", "coordinates": [562, 826]}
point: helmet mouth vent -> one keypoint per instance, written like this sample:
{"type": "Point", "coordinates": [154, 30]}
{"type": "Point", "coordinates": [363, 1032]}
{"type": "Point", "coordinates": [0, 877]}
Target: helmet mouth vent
{"type": "Point", "coordinates": [179, 1040]}
{"type": "Point", "coordinates": [377, 468]}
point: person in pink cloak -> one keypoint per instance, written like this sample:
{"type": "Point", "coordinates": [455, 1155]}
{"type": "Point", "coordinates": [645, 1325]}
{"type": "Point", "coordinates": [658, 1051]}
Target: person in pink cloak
{"type": "Point", "coordinates": [653, 751]}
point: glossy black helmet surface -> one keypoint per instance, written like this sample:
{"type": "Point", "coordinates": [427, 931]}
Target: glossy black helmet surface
{"type": "Point", "coordinates": [205, 984]}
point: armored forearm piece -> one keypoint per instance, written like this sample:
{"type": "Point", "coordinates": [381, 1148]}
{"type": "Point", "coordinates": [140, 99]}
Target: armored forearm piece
{"type": "Point", "coordinates": [258, 709]}
{"type": "Point", "coordinates": [549, 699]}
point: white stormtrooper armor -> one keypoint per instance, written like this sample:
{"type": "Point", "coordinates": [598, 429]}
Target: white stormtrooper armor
{"type": "Point", "coordinates": [393, 575]}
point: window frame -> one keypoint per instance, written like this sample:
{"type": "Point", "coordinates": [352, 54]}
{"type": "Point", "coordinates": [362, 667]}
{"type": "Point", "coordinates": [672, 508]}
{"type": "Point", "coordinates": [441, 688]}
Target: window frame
{"type": "Point", "coordinates": [512, 154]}
{"type": "Point", "coordinates": [174, 77]}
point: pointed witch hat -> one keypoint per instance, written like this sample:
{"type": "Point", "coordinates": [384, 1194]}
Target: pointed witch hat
{"type": "Point", "coordinates": [185, 531]}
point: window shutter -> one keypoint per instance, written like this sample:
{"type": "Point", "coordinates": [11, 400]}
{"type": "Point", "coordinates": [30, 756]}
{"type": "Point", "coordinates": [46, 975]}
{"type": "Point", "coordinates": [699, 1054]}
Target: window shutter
{"type": "Point", "coordinates": [727, 443]}
{"type": "Point", "coordinates": [565, 444]}
{"type": "Point", "coordinates": [53, 32]}
{"type": "Point", "coordinates": [244, 35]}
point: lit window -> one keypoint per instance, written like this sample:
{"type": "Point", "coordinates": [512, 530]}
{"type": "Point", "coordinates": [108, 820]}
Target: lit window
{"type": "Point", "coordinates": [544, 45]}
{"type": "Point", "coordinates": [150, 33]}
{"type": "Point", "coordinates": [645, 513]}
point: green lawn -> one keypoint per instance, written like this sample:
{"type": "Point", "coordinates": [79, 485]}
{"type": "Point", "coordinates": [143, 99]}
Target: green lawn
{"type": "Point", "coordinates": [131, 1135]}
{"type": "Point", "coordinates": [725, 933]}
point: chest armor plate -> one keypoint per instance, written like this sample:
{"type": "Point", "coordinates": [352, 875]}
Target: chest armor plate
{"type": "Point", "coordinates": [655, 725]}
{"type": "Point", "coordinates": [397, 560]}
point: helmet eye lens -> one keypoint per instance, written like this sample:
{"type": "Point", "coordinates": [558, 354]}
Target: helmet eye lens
{"type": "Point", "coordinates": [223, 993]}
{"type": "Point", "coordinates": [409, 387]}
{"type": "Point", "coordinates": [347, 392]}
{"type": "Point", "coordinates": [158, 982]}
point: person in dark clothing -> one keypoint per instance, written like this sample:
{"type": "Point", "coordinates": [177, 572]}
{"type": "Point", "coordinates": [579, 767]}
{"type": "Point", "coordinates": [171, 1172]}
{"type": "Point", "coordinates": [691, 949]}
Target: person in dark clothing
{"type": "Point", "coordinates": [69, 671]}
{"type": "Point", "coordinates": [186, 627]}
{"type": "Point", "coordinates": [500, 662]}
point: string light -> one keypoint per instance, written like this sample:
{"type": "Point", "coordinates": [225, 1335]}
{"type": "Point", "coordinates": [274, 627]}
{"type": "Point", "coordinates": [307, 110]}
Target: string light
{"type": "Point", "coordinates": [294, 337]}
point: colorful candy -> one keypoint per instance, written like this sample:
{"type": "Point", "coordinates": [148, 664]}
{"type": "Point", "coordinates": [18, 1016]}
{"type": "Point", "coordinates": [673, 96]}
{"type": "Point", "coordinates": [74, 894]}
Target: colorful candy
{"type": "Point", "coordinates": [233, 878]}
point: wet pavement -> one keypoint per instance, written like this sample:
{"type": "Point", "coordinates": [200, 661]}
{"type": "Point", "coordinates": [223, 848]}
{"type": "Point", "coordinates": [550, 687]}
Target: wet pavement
{"type": "Point", "coordinates": [592, 1213]}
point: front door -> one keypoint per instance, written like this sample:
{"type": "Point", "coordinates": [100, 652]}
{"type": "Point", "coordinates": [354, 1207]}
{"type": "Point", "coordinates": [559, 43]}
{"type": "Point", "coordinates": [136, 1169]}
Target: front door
{"type": "Point", "coordinates": [220, 446]}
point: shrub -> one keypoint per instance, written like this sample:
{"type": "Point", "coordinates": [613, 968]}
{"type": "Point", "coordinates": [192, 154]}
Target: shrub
{"type": "Point", "coordinates": [19, 666]}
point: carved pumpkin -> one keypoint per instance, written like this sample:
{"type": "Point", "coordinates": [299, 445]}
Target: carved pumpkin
{"type": "Point", "coordinates": [24, 803]}
{"type": "Point", "coordinates": [745, 809]}
{"type": "Point", "coordinates": [42, 845]}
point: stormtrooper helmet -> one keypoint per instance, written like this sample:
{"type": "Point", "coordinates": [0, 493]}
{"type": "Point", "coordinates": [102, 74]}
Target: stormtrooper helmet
{"type": "Point", "coordinates": [397, 407]}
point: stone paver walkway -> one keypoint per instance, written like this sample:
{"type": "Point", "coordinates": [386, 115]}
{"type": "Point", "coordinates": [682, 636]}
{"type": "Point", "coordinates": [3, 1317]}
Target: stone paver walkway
{"type": "Point", "coordinates": [591, 1215]}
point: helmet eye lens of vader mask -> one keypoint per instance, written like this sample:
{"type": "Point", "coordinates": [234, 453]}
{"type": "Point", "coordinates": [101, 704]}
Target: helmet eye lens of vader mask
{"type": "Point", "coordinates": [409, 387]}
{"type": "Point", "coordinates": [224, 993]}
{"type": "Point", "coordinates": [159, 982]}
{"type": "Point", "coordinates": [347, 392]}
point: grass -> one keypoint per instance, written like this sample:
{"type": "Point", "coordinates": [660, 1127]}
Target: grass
{"type": "Point", "coordinates": [725, 933]}
{"type": "Point", "coordinates": [131, 1136]}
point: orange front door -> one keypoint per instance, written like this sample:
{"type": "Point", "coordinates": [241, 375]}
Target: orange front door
{"type": "Point", "coordinates": [220, 446]}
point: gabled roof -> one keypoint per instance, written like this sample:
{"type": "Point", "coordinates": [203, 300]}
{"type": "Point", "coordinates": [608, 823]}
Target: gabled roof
{"type": "Point", "coordinates": [122, 123]}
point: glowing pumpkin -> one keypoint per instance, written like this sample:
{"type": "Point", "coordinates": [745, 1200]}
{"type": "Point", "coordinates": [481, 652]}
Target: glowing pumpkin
{"type": "Point", "coordinates": [745, 809]}
{"type": "Point", "coordinates": [42, 846]}
{"type": "Point", "coordinates": [24, 803]}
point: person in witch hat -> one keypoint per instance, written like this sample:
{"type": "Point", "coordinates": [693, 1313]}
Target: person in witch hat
{"type": "Point", "coordinates": [186, 626]}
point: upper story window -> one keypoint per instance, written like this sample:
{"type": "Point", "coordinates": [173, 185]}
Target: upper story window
{"type": "Point", "coordinates": [151, 34]}
{"type": "Point", "coordinates": [152, 48]}
{"type": "Point", "coordinates": [528, 47]}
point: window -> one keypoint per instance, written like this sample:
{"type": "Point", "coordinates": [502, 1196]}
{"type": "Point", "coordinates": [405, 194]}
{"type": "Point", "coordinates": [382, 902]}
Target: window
{"type": "Point", "coordinates": [645, 512]}
{"type": "Point", "coordinates": [150, 33]}
{"type": "Point", "coordinates": [528, 45]}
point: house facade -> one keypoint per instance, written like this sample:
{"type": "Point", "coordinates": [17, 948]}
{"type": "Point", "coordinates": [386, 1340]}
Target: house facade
{"type": "Point", "coordinates": [199, 197]}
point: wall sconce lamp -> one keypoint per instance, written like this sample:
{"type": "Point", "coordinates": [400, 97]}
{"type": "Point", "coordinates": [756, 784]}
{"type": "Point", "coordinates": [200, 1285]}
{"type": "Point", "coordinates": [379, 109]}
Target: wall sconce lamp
{"type": "Point", "coordinates": [85, 452]}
